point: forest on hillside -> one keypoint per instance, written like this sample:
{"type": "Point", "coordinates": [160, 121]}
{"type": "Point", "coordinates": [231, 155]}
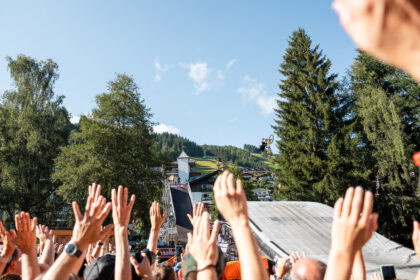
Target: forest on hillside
{"type": "Point", "coordinates": [172, 145]}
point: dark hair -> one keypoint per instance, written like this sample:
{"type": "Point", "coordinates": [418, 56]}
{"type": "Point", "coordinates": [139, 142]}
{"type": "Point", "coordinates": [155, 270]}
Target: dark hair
{"type": "Point", "coordinates": [11, 277]}
{"type": "Point", "coordinates": [164, 271]}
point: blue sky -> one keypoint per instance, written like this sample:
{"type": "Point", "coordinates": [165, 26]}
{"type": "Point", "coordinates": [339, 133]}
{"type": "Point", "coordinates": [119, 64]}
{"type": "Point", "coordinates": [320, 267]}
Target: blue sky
{"type": "Point", "coordinates": [207, 69]}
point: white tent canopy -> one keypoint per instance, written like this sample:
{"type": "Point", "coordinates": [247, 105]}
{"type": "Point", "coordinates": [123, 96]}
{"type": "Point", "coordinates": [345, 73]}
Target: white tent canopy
{"type": "Point", "coordinates": [282, 227]}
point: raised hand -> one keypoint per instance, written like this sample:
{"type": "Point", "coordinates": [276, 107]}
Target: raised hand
{"type": "Point", "coordinates": [9, 239]}
{"type": "Point", "coordinates": [416, 237]}
{"type": "Point", "coordinates": [385, 29]}
{"type": "Point", "coordinates": [352, 227]}
{"type": "Point", "coordinates": [197, 212]}
{"type": "Point", "coordinates": [283, 267]}
{"type": "Point", "coordinates": [120, 209]}
{"type": "Point", "coordinates": [354, 222]}
{"type": "Point", "coordinates": [26, 232]}
{"type": "Point", "coordinates": [202, 244]}
{"type": "Point", "coordinates": [142, 269]}
{"type": "Point", "coordinates": [231, 202]}
{"type": "Point", "coordinates": [88, 227]}
{"type": "Point", "coordinates": [43, 233]}
{"type": "Point", "coordinates": [156, 219]}
{"type": "Point", "coordinates": [230, 198]}
{"type": "Point", "coordinates": [295, 256]}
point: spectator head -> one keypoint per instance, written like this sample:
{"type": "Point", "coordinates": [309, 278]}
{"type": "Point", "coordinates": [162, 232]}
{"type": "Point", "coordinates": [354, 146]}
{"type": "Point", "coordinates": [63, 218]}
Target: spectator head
{"type": "Point", "coordinates": [103, 268]}
{"type": "Point", "coordinates": [14, 266]}
{"type": "Point", "coordinates": [164, 271]}
{"type": "Point", "coordinates": [308, 269]}
{"type": "Point", "coordinates": [11, 277]}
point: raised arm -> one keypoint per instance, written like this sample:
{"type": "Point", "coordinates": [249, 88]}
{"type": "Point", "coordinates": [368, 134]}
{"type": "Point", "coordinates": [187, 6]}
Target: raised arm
{"type": "Point", "coordinates": [87, 230]}
{"type": "Point", "coordinates": [26, 241]}
{"type": "Point", "coordinates": [46, 239]}
{"type": "Point", "coordinates": [231, 202]}
{"type": "Point", "coordinates": [121, 211]}
{"type": "Point", "coordinates": [197, 212]}
{"type": "Point", "coordinates": [359, 270]}
{"type": "Point", "coordinates": [156, 220]}
{"type": "Point", "coordinates": [8, 238]}
{"type": "Point", "coordinates": [203, 247]}
{"type": "Point", "coordinates": [353, 225]}
{"type": "Point", "coordinates": [416, 242]}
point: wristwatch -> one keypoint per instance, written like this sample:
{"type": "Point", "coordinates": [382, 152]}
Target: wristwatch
{"type": "Point", "coordinates": [72, 250]}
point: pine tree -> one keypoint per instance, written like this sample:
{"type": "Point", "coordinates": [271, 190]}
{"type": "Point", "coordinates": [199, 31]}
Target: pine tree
{"type": "Point", "coordinates": [313, 127]}
{"type": "Point", "coordinates": [387, 107]}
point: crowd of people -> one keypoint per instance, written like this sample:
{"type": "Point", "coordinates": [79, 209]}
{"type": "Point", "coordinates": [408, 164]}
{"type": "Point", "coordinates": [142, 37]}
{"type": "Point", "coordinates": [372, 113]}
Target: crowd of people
{"type": "Point", "coordinates": [86, 257]}
{"type": "Point", "coordinates": [387, 29]}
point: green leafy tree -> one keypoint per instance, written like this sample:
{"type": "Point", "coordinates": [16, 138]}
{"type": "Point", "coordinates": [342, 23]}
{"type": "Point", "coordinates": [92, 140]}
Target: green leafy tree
{"type": "Point", "coordinates": [115, 146]}
{"type": "Point", "coordinates": [33, 126]}
{"type": "Point", "coordinates": [387, 107]}
{"type": "Point", "coordinates": [313, 126]}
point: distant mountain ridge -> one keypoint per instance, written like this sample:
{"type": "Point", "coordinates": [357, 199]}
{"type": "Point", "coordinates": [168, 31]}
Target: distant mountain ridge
{"type": "Point", "coordinates": [172, 145]}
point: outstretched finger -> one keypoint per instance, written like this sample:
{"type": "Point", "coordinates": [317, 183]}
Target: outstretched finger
{"type": "Point", "coordinates": [231, 184]}
{"type": "Point", "coordinates": [114, 198]}
{"type": "Point", "coordinates": [195, 209]}
{"type": "Point", "coordinates": [34, 222]}
{"type": "Point", "coordinates": [348, 199]}
{"type": "Point", "coordinates": [190, 218]}
{"type": "Point", "coordinates": [25, 221]}
{"type": "Point", "coordinates": [18, 223]}
{"type": "Point", "coordinates": [77, 215]}
{"type": "Point", "coordinates": [13, 234]}
{"type": "Point", "coordinates": [367, 207]}
{"type": "Point", "coordinates": [120, 196]}
{"type": "Point", "coordinates": [106, 231]}
{"type": "Point", "coordinates": [356, 206]}
{"type": "Point", "coordinates": [136, 265]}
{"type": "Point", "coordinates": [2, 229]}
{"type": "Point", "coordinates": [125, 197]}
{"type": "Point", "coordinates": [132, 200]}
{"type": "Point", "coordinates": [216, 187]}
{"type": "Point", "coordinates": [105, 212]}
{"type": "Point", "coordinates": [164, 216]}
{"type": "Point", "coordinates": [224, 187]}
{"type": "Point", "coordinates": [338, 208]}
{"type": "Point", "coordinates": [215, 231]}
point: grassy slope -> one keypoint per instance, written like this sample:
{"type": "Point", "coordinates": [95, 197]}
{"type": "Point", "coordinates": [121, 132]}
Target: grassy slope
{"type": "Point", "coordinates": [207, 165]}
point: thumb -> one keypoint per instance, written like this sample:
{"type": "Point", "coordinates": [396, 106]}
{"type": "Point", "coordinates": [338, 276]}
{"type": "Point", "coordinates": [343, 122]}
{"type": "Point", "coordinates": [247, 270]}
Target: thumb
{"type": "Point", "coordinates": [189, 217]}
{"type": "Point", "coordinates": [135, 264]}
{"type": "Point", "coordinates": [106, 231]}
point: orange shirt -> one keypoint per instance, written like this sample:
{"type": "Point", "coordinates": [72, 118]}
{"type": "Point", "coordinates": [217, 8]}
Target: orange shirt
{"type": "Point", "coordinates": [233, 269]}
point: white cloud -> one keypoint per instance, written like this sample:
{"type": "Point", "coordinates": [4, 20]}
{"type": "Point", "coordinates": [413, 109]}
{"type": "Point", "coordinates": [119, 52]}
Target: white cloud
{"type": "Point", "coordinates": [253, 91]}
{"type": "Point", "coordinates": [199, 72]}
{"type": "Point", "coordinates": [160, 69]}
{"type": "Point", "coordinates": [266, 104]}
{"type": "Point", "coordinates": [158, 77]}
{"type": "Point", "coordinates": [74, 119]}
{"type": "Point", "coordinates": [230, 63]}
{"type": "Point", "coordinates": [161, 128]}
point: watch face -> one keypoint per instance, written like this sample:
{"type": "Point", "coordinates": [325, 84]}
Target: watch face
{"type": "Point", "coordinates": [71, 248]}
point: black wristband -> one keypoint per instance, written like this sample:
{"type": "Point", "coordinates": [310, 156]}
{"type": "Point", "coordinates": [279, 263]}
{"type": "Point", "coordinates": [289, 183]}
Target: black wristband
{"type": "Point", "coordinates": [99, 243]}
{"type": "Point", "coordinates": [206, 267]}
